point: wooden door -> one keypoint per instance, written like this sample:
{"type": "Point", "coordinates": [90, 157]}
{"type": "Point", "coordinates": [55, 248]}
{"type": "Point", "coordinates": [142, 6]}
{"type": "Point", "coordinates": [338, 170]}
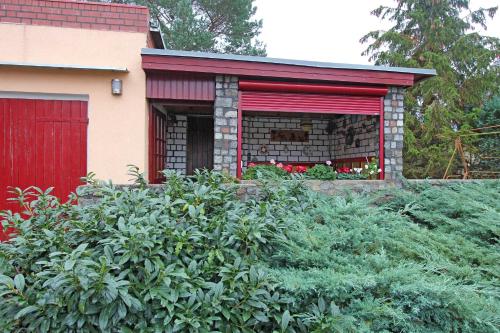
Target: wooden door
{"type": "Point", "coordinates": [200, 144]}
{"type": "Point", "coordinates": [43, 143]}
{"type": "Point", "coordinates": [157, 145]}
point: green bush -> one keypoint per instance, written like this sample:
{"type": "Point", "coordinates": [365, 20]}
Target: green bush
{"type": "Point", "coordinates": [183, 258]}
{"type": "Point", "coordinates": [352, 176]}
{"type": "Point", "coordinates": [321, 171]}
{"type": "Point", "coordinates": [265, 171]}
{"type": "Point", "coordinates": [191, 257]}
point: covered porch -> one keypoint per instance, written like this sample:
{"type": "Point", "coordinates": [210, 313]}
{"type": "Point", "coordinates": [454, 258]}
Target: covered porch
{"type": "Point", "coordinates": [237, 111]}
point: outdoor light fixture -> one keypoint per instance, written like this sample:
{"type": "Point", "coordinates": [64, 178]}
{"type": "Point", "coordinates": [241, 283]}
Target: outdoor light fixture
{"type": "Point", "coordinates": [116, 87]}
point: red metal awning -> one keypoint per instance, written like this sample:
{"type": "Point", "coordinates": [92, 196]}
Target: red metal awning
{"type": "Point", "coordinates": [310, 98]}
{"type": "Point", "coordinates": [309, 103]}
{"type": "Point", "coordinates": [273, 86]}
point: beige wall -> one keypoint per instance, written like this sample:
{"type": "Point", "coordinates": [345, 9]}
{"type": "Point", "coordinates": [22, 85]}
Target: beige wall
{"type": "Point", "coordinates": [117, 132]}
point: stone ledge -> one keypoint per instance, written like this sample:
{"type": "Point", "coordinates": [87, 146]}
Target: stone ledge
{"type": "Point", "coordinates": [247, 189]}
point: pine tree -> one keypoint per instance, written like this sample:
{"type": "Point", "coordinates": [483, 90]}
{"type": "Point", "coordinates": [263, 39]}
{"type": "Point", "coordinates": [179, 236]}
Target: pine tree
{"type": "Point", "coordinates": [222, 26]}
{"type": "Point", "coordinates": [437, 34]}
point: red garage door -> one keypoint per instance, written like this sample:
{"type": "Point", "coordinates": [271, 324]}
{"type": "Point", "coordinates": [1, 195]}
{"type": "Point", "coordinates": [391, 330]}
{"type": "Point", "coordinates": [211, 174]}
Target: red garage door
{"type": "Point", "coordinates": [42, 143]}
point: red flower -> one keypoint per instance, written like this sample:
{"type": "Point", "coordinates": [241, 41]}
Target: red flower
{"type": "Point", "coordinates": [344, 170]}
{"type": "Point", "coordinates": [288, 168]}
{"type": "Point", "coordinates": [301, 168]}
{"type": "Point", "coordinates": [251, 164]}
{"type": "Point", "coordinates": [280, 165]}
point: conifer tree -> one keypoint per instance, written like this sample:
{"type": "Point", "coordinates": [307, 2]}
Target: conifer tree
{"type": "Point", "coordinates": [438, 34]}
{"type": "Point", "coordinates": [222, 26]}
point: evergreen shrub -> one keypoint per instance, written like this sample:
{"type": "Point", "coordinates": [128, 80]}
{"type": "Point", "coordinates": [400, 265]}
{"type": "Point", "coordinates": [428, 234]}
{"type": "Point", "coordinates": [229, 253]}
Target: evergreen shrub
{"type": "Point", "coordinates": [191, 257]}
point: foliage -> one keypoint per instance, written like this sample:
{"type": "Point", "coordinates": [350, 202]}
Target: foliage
{"type": "Point", "coordinates": [488, 145]}
{"type": "Point", "coordinates": [183, 258]}
{"type": "Point", "coordinates": [221, 26]}
{"type": "Point", "coordinates": [351, 176]}
{"type": "Point", "coordinates": [419, 260]}
{"type": "Point", "coordinates": [265, 171]}
{"type": "Point", "coordinates": [321, 171]}
{"type": "Point", "coordinates": [440, 35]}
{"type": "Point", "coordinates": [371, 169]}
{"type": "Point", "coordinates": [190, 256]}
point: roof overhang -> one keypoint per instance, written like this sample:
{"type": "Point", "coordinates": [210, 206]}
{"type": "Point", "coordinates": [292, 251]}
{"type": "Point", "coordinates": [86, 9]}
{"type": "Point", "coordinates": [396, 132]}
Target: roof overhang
{"type": "Point", "coordinates": [259, 67]}
{"type": "Point", "coordinates": [63, 66]}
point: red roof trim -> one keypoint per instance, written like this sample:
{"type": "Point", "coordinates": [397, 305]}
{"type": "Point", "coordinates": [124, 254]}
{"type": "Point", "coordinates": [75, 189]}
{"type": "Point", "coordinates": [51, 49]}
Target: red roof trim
{"type": "Point", "coordinates": [269, 70]}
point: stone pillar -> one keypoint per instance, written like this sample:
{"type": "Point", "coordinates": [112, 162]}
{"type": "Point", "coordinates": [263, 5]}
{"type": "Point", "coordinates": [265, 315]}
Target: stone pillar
{"type": "Point", "coordinates": [226, 124]}
{"type": "Point", "coordinates": [393, 133]}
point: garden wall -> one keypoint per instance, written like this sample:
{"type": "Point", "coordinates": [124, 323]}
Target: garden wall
{"type": "Point", "coordinates": [250, 188]}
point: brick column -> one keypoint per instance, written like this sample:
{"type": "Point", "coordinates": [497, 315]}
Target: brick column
{"type": "Point", "coordinates": [226, 124]}
{"type": "Point", "coordinates": [393, 133]}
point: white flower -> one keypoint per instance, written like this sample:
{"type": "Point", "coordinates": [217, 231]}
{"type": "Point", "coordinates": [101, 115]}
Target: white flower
{"type": "Point", "coordinates": [379, 170]}
{"type": "Point", "coordinates": [358, 170]}
{"type": "Point", "coordinates": [272, 162]}
{"type": "Point", "coordinates": [366, 166]}
{"type": "Point", "coordinates": [371, 172]}
{"type": "Point", "coordinates": [328, 162]}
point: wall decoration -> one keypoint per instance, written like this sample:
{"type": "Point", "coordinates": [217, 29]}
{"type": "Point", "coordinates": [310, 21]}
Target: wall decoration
{"type": "Point", "coordinates": [263, 150]}
{"type": "Point", "coordinates": [349, 137]}
{"type": "Point", "coordinates": [289, 136]}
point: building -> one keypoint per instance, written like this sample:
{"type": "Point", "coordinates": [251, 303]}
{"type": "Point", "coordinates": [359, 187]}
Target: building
{"type": "Point", "coordinates": [60, 118]}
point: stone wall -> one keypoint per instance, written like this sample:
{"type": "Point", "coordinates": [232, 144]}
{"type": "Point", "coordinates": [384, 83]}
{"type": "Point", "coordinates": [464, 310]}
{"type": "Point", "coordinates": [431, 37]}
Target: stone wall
{"type": "Point", "coordinates": [393, 133]}
{"type": "Point", "coordinates": [250, 189]}
{"type": "Point", "coordinates": [257, 133]}
{"type": "Point", "coordinates": [226, 124]}
{"type": "Point", "coordinates": [321, 146]}
{"type": "Point", "coordinates": [176, 142]}
{"type": "Point", "coordinates": [366, 138]}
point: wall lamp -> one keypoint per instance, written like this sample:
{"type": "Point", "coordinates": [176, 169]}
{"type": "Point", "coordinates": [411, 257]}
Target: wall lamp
{"type": "Point", "coordinates": [116, 86]}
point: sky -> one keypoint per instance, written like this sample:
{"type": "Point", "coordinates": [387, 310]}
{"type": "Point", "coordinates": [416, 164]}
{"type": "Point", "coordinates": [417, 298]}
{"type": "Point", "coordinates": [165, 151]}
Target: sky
{"type": "Point", "coordinates": [329, 30]}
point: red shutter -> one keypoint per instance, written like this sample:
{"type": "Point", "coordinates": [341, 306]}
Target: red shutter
{"type": "Point", "coordinates": [42, 143]}
{"type": "Point", "coordinates": [309, 103]}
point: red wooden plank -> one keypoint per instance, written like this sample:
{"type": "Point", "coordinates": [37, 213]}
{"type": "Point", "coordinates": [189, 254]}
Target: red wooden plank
{"type": "Point", "coordinates": [180, 86]}
{"type": "Point", "coordinates": [3, 156]}
{"type": "Point", "coordinates": [75, 141]}
{"type": "Point", "coordinates": [66, 139]}
{"type": "Point", "coordinates": [14, 112]}
{"type": "Point", "coordinates": [83, 145]}
{"type": "Point", "coordinates": [39, 143]}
